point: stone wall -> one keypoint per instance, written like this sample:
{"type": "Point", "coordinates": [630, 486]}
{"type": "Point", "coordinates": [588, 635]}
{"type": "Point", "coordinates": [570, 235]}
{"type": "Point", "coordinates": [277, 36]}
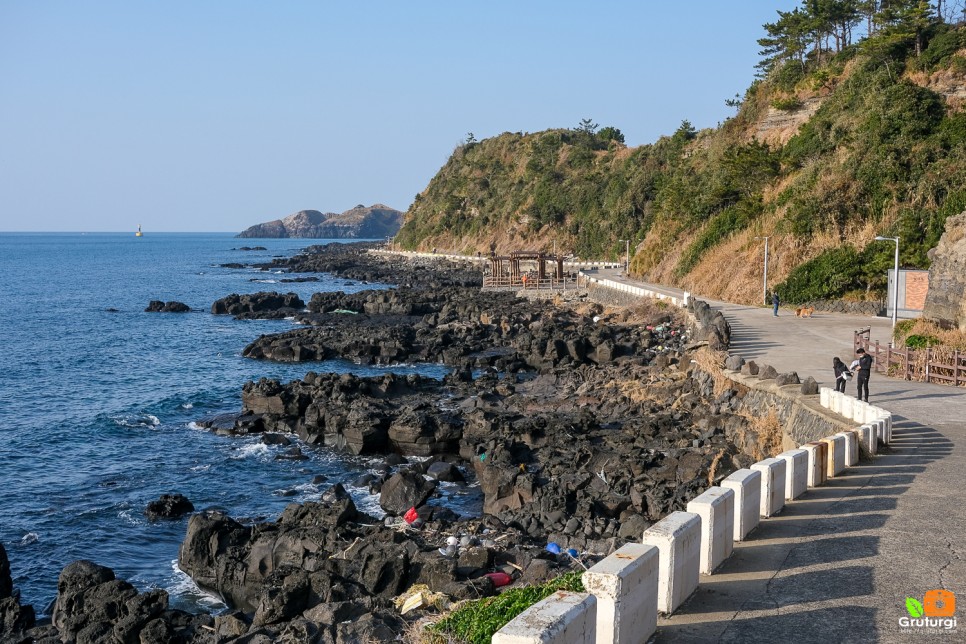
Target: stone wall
{"type": "Point", "coordinates": [850, 308]}
{"type": "Point", "coordinates": [802, 416]}
{"type": "Point", "coordinates": [610, 297]}
{"type": "Point", "coordinates": [946, 300]}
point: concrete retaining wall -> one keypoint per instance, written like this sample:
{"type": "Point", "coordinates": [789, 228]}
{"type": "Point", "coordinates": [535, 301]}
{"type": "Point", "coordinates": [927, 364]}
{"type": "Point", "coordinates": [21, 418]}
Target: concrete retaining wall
{"type": "Point", "coordinates": [626, 294]}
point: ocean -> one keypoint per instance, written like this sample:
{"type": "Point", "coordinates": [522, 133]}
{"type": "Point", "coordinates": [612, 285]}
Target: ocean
{"type": "Point", "coordinates": [98, 401]}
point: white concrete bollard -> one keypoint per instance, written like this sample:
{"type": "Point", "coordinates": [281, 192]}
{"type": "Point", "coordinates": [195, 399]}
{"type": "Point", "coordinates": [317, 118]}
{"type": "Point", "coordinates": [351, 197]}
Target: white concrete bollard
{"type": "Point", "coordinates": [746, 484]}
{"type": "Point", "coordinates": [817, 459]}
{"type": "Point", "coordinates": [824, 396]}
{"type": "Point", "coordinates": [859, 409]}
{"type": "Point", "coordinates": [772, 485]}
{"type": "Point", "coordinates": [880, 429]}
{"type": "Point", "coordinates": [561, 618]}
{"type": "Point", "coordinates": [851, 447]}
{"type": "Point", "coordinates": [625, 585]}
{"type": "Point", "coordinates": [796, 473]}
{"type": "Point", "coordinates": [846, 406]}
{"type": "Point", "coordinates": [871, 413]}
{"type": "Point", "coordinates": [678, 538]}
{"type": "Point", "coordinates": [835, 401]}
{"type": "Point", "coordinates": [870, 437]}
{"type": "Point", "coordinates": [716, 507]}
{"type": "Point", "coordinates": [835, 457]}
{"type": "Point", "coordinates": [887, 418]}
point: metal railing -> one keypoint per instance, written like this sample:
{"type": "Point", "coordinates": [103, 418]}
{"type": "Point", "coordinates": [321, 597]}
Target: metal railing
{"type": "Point", "coordinates": [530, 283]}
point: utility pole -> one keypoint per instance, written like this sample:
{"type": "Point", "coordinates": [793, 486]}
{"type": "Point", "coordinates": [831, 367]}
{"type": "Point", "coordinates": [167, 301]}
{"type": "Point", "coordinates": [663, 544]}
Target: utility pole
{"type": "Point", "coordinates": [627, 254]}
{"type": "Point", "coordinates": [764, 286]}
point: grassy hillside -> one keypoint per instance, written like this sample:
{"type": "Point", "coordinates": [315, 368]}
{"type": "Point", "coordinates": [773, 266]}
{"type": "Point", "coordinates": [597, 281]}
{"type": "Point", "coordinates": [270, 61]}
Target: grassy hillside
{"type": "Point", "coordinates": [823, 154]}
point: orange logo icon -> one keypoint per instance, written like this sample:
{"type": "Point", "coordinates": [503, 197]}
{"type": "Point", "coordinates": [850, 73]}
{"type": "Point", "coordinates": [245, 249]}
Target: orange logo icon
{"type": "Point", "coordinates": [939, 603]}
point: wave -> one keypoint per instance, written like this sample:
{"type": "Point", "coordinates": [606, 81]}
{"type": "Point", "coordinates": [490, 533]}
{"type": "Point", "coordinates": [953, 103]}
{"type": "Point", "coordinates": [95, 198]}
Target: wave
{"type": "Point", "coordinates": [183, 587]}
{"type": "Point", "coordinates": [145, 420]}
{"type": "Point", "coordinates": [247, 451]}
{"type": "Point", "coordinates": [187, 405]}
{"type": "Point", "coordinates": [365, 502]}
{"type": "Point", "coordinates": [266, 281]}
{"type": "Point", "coordinates": [29, 538]}
{"type": "Point", "coordinates": [128, 516]}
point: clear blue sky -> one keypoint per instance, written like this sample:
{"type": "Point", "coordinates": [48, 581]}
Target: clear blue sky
{"type": "Point", "coordinates": [213, 116]}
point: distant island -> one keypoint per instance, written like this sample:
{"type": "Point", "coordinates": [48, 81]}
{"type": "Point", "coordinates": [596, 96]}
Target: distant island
{"type": "Point", "coordinates": [363, 222]}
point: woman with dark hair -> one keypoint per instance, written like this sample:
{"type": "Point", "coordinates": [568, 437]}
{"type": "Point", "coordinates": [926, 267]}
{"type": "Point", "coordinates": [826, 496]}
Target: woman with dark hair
{"type": "Point", "coordinates": [842, 374]}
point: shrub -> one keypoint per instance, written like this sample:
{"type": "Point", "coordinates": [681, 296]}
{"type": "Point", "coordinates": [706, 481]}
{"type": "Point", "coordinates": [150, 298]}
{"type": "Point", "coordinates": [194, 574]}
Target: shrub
{"type": "Point", "coordinates": [941, 48]}
{"type": "Point", "coordinates": [921, 341]}
{"type": "Point", "coordinates": [786, 104]}
{"type": "Point", "coordinates": [476, 621]}
{"type": "Point", "coordinates": [832, 273]}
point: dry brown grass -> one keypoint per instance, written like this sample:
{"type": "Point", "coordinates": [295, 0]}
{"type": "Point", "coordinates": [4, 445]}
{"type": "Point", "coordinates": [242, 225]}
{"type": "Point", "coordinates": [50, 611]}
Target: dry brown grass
{"type": "Point", "coordinates": [949, 339]}
{"type": "Point", "coordinates": [713, 470]}
{"type": "Point", "coordinates": [712, 363]}
{"type": "Point", "coordinates": [767, 429]}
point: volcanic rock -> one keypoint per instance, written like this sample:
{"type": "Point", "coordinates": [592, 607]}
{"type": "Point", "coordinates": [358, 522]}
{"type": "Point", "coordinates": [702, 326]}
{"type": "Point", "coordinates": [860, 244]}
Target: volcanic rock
{"type": "Point", "coordinates": [262, 305]}
{"type": "Point", "coordinates": [168, 506]}
{"type": "Point", "coordinates": [157, 306]}
{"type": "Point", "coordinates": [404, 490]}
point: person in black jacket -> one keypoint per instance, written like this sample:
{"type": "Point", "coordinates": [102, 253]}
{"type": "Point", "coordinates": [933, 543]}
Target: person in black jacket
{"type": "Point", "coordinates": [865, 370]}
{"type": "Point", "coordinates": [842, 374]}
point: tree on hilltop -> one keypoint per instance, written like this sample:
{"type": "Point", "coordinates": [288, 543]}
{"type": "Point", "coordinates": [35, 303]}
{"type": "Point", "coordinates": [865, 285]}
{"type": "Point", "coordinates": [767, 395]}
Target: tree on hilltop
{"type": "Point", "coordinates": [587, 126]}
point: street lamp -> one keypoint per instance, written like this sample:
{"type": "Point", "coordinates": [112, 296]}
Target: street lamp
{"type": "Point", "coordinates": [895, 278]}
{"type": "Point", "coordinates": [627, 254]}
{"type": "Point", "coordinates": [764, 286]}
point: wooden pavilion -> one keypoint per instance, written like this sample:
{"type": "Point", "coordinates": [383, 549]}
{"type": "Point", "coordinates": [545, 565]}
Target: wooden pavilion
{"type": "Point", "coordinates": [527, 269]}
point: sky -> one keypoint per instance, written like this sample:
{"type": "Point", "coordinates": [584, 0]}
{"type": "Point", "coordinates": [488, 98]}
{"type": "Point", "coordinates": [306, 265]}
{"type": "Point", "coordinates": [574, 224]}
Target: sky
{"type": "Point", "coordinates": [215, 116]}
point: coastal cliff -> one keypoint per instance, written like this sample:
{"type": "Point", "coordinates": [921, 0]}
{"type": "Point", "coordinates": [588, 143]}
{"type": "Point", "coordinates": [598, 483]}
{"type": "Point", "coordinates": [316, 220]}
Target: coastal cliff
{"type": "Point", "coordinates": [361, 222]}
{"type": "Point", "coordinates": [822, 155]}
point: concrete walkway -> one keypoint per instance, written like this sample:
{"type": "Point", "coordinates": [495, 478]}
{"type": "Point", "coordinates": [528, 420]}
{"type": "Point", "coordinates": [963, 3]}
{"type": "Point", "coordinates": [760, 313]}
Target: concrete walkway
{"type": "Point", "coordinates": [837, 564]}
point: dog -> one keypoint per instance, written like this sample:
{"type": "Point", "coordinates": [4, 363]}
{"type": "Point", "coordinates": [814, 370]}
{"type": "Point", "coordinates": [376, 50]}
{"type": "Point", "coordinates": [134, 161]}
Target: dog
{"type": "Point", "coordinates": [804, 311]}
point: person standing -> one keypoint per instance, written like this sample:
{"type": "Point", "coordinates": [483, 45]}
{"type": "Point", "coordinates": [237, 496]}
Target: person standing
{"type": "Point", "coordinates": [865, 370]}
{"type": "Point", "coordinates": [842, 374]}
{"type": "Point", "coordinates": [775, 302]}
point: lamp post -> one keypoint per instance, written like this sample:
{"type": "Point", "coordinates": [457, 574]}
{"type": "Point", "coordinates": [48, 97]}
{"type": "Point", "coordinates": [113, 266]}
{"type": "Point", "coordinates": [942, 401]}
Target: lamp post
{"type": "Point", "coordinates": [627, 254]}
{"type": "Point", "coordinates": [895, 278]}
{"type": "Point", "coordinates": [764, 285]}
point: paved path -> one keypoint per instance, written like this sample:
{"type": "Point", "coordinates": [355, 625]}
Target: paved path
{"type": "Point", "coordinates": [837, 564]}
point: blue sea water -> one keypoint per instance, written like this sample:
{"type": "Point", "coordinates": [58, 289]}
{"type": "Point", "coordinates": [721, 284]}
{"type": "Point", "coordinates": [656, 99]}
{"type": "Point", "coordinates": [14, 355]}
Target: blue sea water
{"type": "Point", "coordinates": [97, 407]}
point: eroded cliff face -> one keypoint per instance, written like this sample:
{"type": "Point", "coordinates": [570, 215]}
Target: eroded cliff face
{"type": "Point", "coordinates": [946, 300]}
{"type": "Point", "coordinates": [778, 126]}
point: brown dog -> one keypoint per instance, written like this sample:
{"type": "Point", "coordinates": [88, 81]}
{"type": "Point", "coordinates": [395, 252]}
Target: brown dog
{"type": "Point", "coordinates": [804, 311]}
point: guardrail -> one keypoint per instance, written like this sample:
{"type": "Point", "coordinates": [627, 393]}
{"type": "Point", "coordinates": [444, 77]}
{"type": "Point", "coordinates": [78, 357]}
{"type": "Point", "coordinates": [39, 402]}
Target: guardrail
{"type": "Point", "coordinates": [926, 365]}
{"type": "Point", "coordinates": [680, 301]}
{"type": "Point", "coordinates": [627, 589]}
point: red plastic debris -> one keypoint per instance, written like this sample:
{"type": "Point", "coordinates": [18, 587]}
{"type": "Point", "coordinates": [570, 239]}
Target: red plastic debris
{"type": "Point", "coordinates": [410, 515]}
{"type": "Point", "coordinates": [499, 578]}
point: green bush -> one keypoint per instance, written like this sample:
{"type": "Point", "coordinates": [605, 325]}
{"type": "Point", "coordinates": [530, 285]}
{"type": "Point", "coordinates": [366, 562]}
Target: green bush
{"type": "Point", "coordinates": [941, 48]}
{"type": "Point", "coordinates": [921, 341]}
{"type": "Point", "coordinates": [787, 76]}
{"type": "Point", "coordinates": [476, 621]}
{"type": "Point", "coordinates": [786, 104]}
{"type": "Point", "coordinates": [827, 276]}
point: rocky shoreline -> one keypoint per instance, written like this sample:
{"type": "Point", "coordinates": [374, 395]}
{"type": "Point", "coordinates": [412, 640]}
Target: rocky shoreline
{"type": "Point", "coordinates": [582, 426]}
